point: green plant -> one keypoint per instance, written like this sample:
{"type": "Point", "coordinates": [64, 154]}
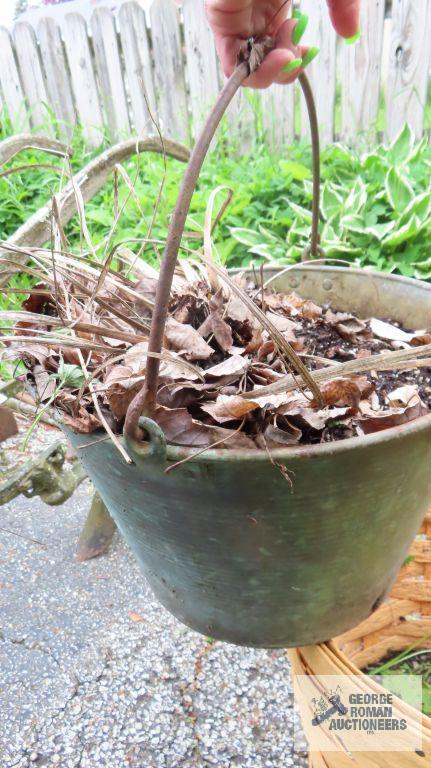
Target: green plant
{"type": "Point", "coordinates": [376, 207]}
{"type": "Point", "coordinates": [410, 662]}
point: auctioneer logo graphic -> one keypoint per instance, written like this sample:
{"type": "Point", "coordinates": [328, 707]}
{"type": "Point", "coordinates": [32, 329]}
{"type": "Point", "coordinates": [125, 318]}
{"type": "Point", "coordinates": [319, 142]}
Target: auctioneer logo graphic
{"type": "Point", "coordinates": [352, 713]}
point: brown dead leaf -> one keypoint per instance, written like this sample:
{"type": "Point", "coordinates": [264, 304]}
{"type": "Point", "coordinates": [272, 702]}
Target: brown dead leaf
{"type": "Point", "coordinates": [30, 354]}
{"type": "Point", "coordinates": [255, 342]}
{"type": "Point", "coordinates": [421, 338]}
{"type": "Point", "coordinates": [45, 384]}
{"type": "Point", "coordinates": [229, 408]}
{"type": "Point", "coordinates": [341, 392]}
{"type": "Point", "coordinates": [393, 417]}
{"type": "Point", "coordinates": [136, 357]}
{"type": "Point", "coordinates": [403, 396]}
{"type": "Point", "coordinates": [388, 331]}
{"type": "Point", "coordinates": [232, 439]}
{"type": "Point", "coordinates": [214, 323]}
{"type": "Point", "coordinates": [121, 386]}
{"type": "Point", "coordinates": [186, 340]}
{"type": "Point", "coordinates": [297, 306]}
{"type": "Point", "coordinates": [232, 366]}
{"type": "Point", "coordinates": [286, 327]}
{"type": "Point", "coordinates": [348, 326]}
{"type": "Point", "coordinates": [8, 425]}
{"type": "Point", "coordinates": [84, 422]}
{"type": "Point", "coordinates": [306, 418]}
{"type": "Point", "coordinates": [181, 429]}
{"type": "Point", "coordinates": [310, 310]}
{"type": "Point", "coordinates": [284, 434]}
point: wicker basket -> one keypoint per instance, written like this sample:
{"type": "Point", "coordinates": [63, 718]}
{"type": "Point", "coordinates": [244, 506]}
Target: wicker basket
{"type": "Point", "coordinates": [400, 622]}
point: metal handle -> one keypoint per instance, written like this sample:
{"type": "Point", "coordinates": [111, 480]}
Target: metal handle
{"type": "Point", "coordinates": [155, 450]}
{"type": "Point", "coordinates": [145, 401]}
{"type": "Point", "coordinates": [314, 246]}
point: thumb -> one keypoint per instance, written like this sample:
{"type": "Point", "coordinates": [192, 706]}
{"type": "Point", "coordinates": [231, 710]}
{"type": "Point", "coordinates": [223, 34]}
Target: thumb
{"type": "Point", "coordinates": [345, 16]}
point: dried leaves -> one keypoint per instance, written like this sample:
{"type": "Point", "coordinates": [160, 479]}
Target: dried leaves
{"type": "Point", "coordinates": [217, 349]}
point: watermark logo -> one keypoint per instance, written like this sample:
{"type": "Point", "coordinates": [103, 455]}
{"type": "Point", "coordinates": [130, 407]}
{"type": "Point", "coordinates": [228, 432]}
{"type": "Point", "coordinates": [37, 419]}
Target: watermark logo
{"type": "Point", "coordinates": [351, 713]}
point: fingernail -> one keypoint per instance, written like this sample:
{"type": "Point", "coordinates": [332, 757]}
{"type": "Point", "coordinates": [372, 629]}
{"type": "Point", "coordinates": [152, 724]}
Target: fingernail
{"type": "Point", "coordinates": [354, 39]}
{"type": "Point", "coordinates": [299, 28]}
{"type": "Point", "coordinates": [292, 65]}
{"type": "Point", "coordinates": [309, 56]}
{"type": "Point", "coordinates": [296, 14]}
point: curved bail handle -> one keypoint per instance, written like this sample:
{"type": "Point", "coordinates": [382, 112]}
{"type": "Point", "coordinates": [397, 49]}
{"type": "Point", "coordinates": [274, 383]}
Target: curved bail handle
{"type": "Point", "coordinates": [251, 57]}
{"type": "Point", "coordinates": [314, 248]}
{"type": "Point", "coordinates": [154, 450]}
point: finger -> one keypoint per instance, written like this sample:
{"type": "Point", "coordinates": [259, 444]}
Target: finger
{"type": "Point", "coordinates": [285, 78]}
{"type": "Point", "coordinates": [345, 16]}
{"type": "Point", "coordinates": [228, 48]}
{"type": "Point", "coordinates": [272, 69]}
{"type": "Point", "coordinates": [283, 38]}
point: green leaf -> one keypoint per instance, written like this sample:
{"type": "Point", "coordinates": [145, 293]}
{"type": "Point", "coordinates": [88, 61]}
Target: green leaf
{"type": "Point", "coordinates": [246, 236]}
{"type": "Point", "coordinates": [381, 230]}
{"type": "Point", "coordinates": [398, 190]}
{"type": "Point", "coordinates": [264, 250]}
{"type": "Point", "coordinates": [420, 206]}
{"type": "Point", "coordinates": [100, 216]}
{"type": "Point", "coordinates": [402, 234]}
{"type": "Point", "coordinates": [295, 170]}
{"type": "Point", "coordinates": [302, 213]}
{"type": "Point", "coordinates": [71, 375]}
{"type": "Point", "coordinates": [331, 202]}
{"type": "Point", "coordinates": [402, 145]}
{"type": "Point", "coordinates": [356, 198]}
{"type": "Point", "coordinates": [272, 237]}
{"type": "Point", "coordinates": [353, 223]}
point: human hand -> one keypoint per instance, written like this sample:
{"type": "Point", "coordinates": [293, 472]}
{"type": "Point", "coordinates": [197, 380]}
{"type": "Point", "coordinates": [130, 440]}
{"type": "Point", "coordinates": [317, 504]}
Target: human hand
{"type": "Point", "coordinates": [233, 21]}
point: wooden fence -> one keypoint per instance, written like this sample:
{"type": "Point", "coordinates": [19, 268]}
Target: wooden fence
{"type": "Point", "coordinates": [108, 75]}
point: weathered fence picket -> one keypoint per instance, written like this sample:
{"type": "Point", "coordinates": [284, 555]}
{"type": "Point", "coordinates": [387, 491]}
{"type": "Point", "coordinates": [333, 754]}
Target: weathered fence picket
{"type": "Point", "coordinates": [410, 52]}
{"type": "Point", "coordinates": [137, 61]}
{"type": "Point", "coordinates": [10, 82]}
{"type": "Point", "coordinates": [108, 67]}
{"type": "Point", "coordinates": [202, 67]}
{"type": "Point", "coordinates": [59, 89]}
{"type": "Point", "coordinates": [169, 70]}
{"type": "Point", "coordinates": [360, 78]}
{"type": "Point", "coordinates": [32, 77]}
{"type": "Point", "coordinates": [322, 70]}
{"type": "Point", "coordinates": [83, 78]}
{"type": "Point", "coordinates": [118, 73]}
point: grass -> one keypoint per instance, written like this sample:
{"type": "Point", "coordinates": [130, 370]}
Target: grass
{"type": "Point", "coordinates": [410, 662]}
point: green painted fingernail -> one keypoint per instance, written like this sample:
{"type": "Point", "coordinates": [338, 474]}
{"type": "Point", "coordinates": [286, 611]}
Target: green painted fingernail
{"type": "Point", "coordinates": [296, 14]}
{"type": "Point", "coordinates": [299, 28]}
{"type": "Point", "coordinates": [354, 39]}
{"type": "Point", "coordinates": [292, 65]}
{"type": "Point", "coordinates": [309, 56]}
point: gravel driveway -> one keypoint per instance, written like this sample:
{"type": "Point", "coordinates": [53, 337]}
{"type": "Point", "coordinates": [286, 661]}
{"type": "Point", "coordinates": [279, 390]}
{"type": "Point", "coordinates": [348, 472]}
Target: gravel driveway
{"type": "Point", "coordinates": [94, 672]}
